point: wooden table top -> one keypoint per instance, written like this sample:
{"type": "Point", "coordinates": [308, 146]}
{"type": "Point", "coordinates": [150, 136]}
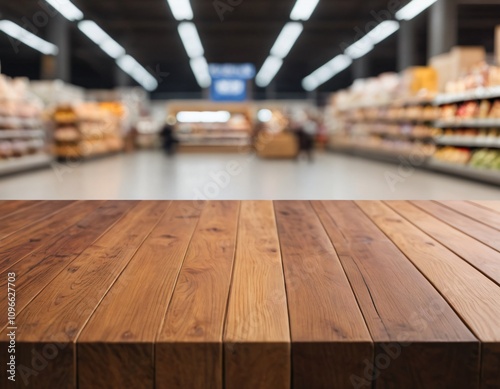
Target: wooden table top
{"type": "Point", "coordinates": [254, 294]}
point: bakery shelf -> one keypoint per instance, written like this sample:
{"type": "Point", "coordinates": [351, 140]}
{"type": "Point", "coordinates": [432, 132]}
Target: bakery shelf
{"type": "Point", "coordinates": [14, 165]}
{"type": "Point", "coordinates": [485, 175]}
{"type": "Point", "coordinates": [10, 134]}
{"type": "Point", "coordinates": [468, 123]}
{"type": "Point", "coordinates": [478, 94]}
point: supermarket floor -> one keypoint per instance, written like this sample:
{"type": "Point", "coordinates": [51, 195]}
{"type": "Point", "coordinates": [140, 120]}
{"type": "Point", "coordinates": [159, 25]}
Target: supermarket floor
{"type": "Point", "coordinates": [152, 175]}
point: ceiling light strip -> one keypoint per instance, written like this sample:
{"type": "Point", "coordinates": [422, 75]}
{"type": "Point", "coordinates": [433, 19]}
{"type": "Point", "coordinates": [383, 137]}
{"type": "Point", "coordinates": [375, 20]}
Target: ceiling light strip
{"type": "Point", "coordinates": [101, 38]}
{"type": "Point", "coordinates": [67, 9]}
{"type": "Point", "coordinates": [413, 9]}
{"type": "Point", "coordinates": [357, 50]}
{"type": "Point", "coordinates": [133, 68]}
{"type": "Point", "coordinates": [17, 32]}
{"type": "Point", "coordinates": [302, 11]}
{"type": "Point", "coordinates": [182, 11]}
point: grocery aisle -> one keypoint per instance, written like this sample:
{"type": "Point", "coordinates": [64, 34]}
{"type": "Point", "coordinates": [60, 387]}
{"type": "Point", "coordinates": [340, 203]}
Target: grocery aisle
{"type": "Point", "coordinates": [151, 175]}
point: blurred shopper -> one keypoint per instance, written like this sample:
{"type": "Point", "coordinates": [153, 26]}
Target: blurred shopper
{"type": "Point", "coordinates": [307, 133]}
{"type": "Point", "coordinates": [170, 142]}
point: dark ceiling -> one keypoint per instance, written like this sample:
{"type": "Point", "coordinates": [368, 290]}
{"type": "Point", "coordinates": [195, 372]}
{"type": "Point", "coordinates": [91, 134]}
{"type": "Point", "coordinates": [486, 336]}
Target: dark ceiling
{"type": "Point", "coordinates": [148, 31]}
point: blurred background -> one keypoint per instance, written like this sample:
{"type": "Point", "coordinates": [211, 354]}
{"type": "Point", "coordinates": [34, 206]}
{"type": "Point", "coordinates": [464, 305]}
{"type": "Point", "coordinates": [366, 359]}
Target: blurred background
{"type": "Point", "coordinates": [239, 99]}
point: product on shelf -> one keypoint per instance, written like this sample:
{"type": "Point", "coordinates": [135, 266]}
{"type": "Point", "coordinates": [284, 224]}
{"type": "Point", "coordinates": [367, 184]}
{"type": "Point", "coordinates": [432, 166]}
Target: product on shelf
{"type": "Point", "coordinates": [212, 126]}
{"type": "Point", "coordinates": [453, 155]}
{"type": "Point", "coordinates": [23, 135]}
{"type": "Point", "coordinates": [87, 129]}
{"type": "Point", "coordinates": [486, 159]}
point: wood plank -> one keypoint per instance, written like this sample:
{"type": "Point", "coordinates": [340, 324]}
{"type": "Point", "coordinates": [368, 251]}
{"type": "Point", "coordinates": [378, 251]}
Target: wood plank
{"type": "Point", "coordinates": [189, 346]}
{"type": "Point", "coordinates": [257, 335]}
{"type": "Point", "coordinates": [473, 296]}
{"type": "Point", "coordinates": [39, 268]}
{"type": "Point", "coordinates": [28, 216]}
{"type": "Point", "coordinates": [482, 257]}
{"type": "Point", "coordinates": [9, 207]}
{"type": "Point", "coordinates": [330, 340]}
{"type": "Point", "coordinates": [40, 235]}
{"type": "Point", "coordinates": [419, 340]}
{"type": "Point", "coordinates": [53, 320]}
{"type": "Point", "coordinates": [475, 211]}
{"type": "Point", "coordinates": [491, 205]}
{"type": "Point", "coordinates": [115, 349]}
{"type": "Point", "coordinates": [475, 229]}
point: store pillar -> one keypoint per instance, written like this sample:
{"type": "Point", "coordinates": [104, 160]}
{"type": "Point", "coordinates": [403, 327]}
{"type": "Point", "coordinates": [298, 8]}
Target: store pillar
{"type": "Point", "coordinates": [407, 45]}
{"type": "Point", "coordinates": [361, 68]}
{"type": "Point", "coordinates": [58, 67]}
{"type": "Point", "coordinates": [443, 27]}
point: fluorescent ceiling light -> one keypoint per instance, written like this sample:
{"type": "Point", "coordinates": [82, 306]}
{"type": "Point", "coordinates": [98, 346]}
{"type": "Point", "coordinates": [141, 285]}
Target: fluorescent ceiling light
{"type": "Point", "coordinates": [413, 9]}
{"type": "Point", "coordinates": [383, 31]}
{"type": "Point", "coordinates": [200, 69]}
{"type": "Point", "coordinates": [303, 9]}
{"type": "Point", "coordinates": [113, 49]}
{"type": "Point", "coordinates": [181, 9]}
{"type": "Point", "coordinates": [191, 39]}
{"type": "Point", "coordinates": [67, 9]}
{"type": "Point", "coordinates": [287, 39]}
{"type": "Point", "coordinates": [101, 38]}
{"type": "Point", "coordinates": [271, 67]}
{"type": "Point", "coordinates": [375, 36]}
{"type": "Point", "coordinates": [360, 48]}
{"type": "Point", "coordinates": [203, 117]}
{"type": "Point", "coordinates": [28, 38]}
{"type": "Point", "coordinates": [326, 72]}
{"type": "Point", "coordinates": [130, 66]}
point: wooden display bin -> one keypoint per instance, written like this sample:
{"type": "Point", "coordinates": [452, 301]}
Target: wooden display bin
{"type": "Point", "coordinates": [282, 145]}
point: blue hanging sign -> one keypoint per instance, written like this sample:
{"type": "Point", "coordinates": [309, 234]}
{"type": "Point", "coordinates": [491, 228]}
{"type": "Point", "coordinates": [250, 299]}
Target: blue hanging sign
{"type": "Point", "coordinates": [229, 81]}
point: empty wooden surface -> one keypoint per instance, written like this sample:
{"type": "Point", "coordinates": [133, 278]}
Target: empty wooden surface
{"type": "Point", "coordinates": [473, 296]}
{"type": "Point", "coordinates": [402, 309]}
{"type": "Point", "coordinates": [254, 294]}
{"type": "Point", "coordinates": [329, 336]}
{"type": "Point", "coordinates": [257, 335]}
{"type": "Point", "coordinates": [189, 348]}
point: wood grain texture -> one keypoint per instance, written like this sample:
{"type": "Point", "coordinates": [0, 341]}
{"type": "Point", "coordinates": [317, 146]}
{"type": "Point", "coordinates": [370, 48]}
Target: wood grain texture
{"type": "Point", "coordinates": [257, 335]}
{"type": "Point", "coordinates": [404, 313]}
{"type": "Point", "coordinates": [189, 347]}
{"type": "Point", "coordinates": [475, 211]}
{"type": "Point", "coordinates": [330, 341]}
{"type": "Point", "coordinates": [41, 235]}
{"type": "Point", "coordinates": [479, 231]}
{"type": "Point", "coordinates": [489, 205]}
{"type": "Point", "coordinates": [375, 295]}
{"type": "Point", "coordinates": [57, 315]}
{"type": "Point", "coordinates": [482, 257]}
{"type": "Point", "coordinates": [27, 216]}
{"type": "Point", "coordinates": [7, 208]}
{"type": "Point", "coordinates": [115, 349]}
{"type": "Point", "coordinates": [38, 269]}
{"type": "Point", "coordinates": [473, 296]}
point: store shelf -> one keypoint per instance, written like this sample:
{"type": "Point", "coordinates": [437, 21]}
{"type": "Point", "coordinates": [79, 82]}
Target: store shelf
{"type": "Point", "coordinates": [467, 142]}
{"type": "Point", "coordinates": [385, 155]}
{"type": "Point", "coordinates": [489, 176]}
{"type": "Point", "coordinates": [10, 134]}
{"type": "Point", "coordinates": [478, 94]}
{"type": "Point", "coordinates": [15, 165]}
{"type": "Point", "coordinates": [470, 123]}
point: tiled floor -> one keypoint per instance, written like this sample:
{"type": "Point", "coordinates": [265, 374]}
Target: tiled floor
{"type": "Point", "coordinates": [151, 175]}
